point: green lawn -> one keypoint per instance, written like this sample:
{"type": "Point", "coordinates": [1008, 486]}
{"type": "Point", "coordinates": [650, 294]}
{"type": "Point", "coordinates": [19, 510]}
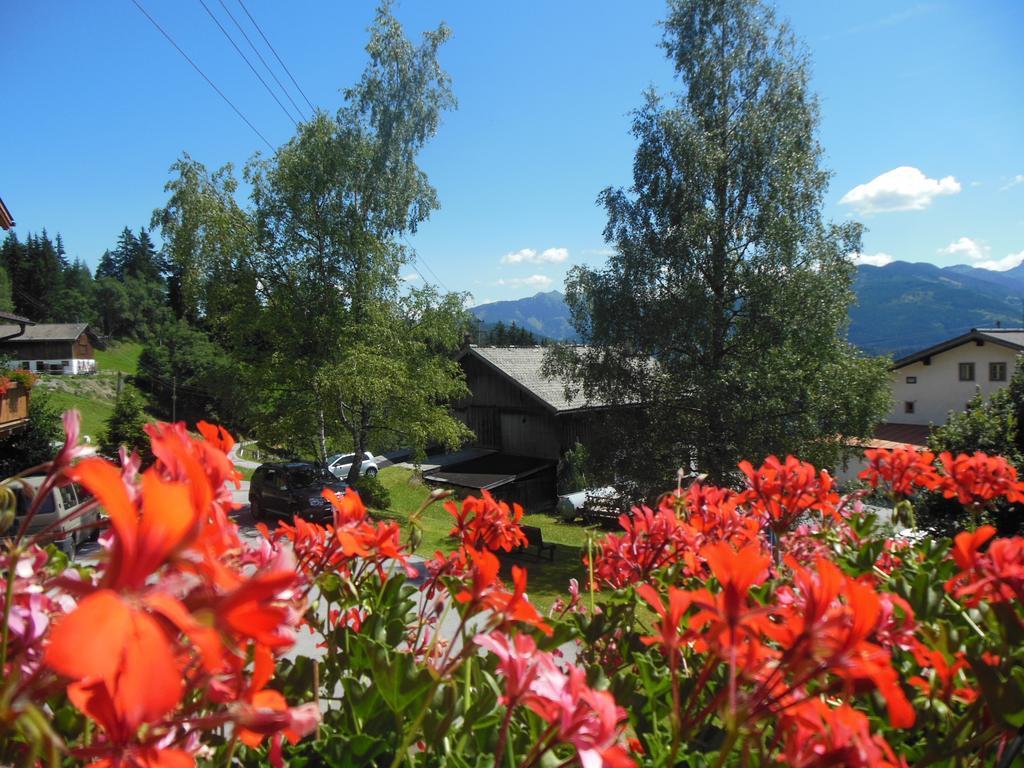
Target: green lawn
{"type": "Point", "coordinates": [95, 410]}
{"type": "Point", "coordinates": [119, 356]}
{"type": "Point", "coordinates": [547, 580]}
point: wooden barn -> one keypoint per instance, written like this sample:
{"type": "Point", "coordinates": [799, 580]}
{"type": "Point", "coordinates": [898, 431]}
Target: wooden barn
{"type": "Point", "coordinates": [65, 348]}
{"type": "Point", "coordinates": [514, 408]}
{"type": "Point", "coordinates": [524, 419]}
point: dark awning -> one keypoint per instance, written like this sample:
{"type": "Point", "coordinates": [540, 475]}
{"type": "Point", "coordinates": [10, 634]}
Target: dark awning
{"type": "Point", "coordinates": [488, 472]}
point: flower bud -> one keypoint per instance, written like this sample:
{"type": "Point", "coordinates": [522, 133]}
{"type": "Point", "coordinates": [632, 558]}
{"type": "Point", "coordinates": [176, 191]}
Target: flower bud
{"type": "Point", "coordinates": [8, 507]}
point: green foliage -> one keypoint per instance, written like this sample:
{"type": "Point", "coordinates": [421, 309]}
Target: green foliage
{"type": "Point", "coordinates": [33, 445]}
{"type": "Point", "coordinates": [330, 351]}
{"type": "Point", "coordinates": [133, 308]}
{"type": "Point", "coordinates": [6, 288]}
{"type": "Point", "coordinates": [188, 376]}
{"type": "Point", "coordinates": [572, 470]}
{"type": "Point", "coordinates": [500, 335]}
{"type": "Point", "coordinates": [209, 240]}
{"type": "Point", "coordinates": [724, 306]}
{"type": "Point", "coordinates": [125, 426]}
{"type": "Point", "coordinates": [373, 492]}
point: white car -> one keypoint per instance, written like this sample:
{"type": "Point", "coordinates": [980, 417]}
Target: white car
{"type": "Point", "coordinates": [49, 517]}
{"type": "Point", "coordinates": [340, 463]}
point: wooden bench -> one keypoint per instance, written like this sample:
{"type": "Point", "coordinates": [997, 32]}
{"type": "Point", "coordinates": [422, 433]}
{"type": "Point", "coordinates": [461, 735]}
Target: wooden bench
{"type": "Point", "coordinates": [535, 538]}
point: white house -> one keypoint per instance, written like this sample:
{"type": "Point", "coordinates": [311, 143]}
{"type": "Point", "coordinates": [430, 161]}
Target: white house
{"type": "Point", "coordinates": [927, 385]}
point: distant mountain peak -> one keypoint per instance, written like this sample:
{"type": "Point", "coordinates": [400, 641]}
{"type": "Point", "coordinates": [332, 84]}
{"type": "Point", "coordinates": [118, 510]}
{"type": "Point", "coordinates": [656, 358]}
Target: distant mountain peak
{"type": "Point", "coordinates": [900, 308]}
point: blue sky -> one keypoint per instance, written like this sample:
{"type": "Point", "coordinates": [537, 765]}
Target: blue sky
{"type": "Point", "coordinates": [922, 120]}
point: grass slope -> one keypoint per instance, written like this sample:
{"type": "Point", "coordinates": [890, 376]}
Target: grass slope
{"type": "Point", "coordinates": [119, 356]}
{"type": "Point", "coordinates": [95, 409]}
{"type": "Point", "coordinates": [94, 395]}
{"type": "Point", "coordinates": [547, 580]}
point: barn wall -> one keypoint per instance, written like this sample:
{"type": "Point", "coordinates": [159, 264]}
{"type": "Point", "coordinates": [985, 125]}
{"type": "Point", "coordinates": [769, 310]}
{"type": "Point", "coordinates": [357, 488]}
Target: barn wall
{"type": "Point", "coordinates": [82, 348]}
{"type": "Point", "coordinates": [505, 417]}
{"type": "Point", "coordinates": [37, 350]}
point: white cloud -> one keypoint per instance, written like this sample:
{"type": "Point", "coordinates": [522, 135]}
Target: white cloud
{"type": "Point", "coordinates": [972, 249]}
{"type": "Point", "coordinates": [598, 252]}
{"type": "Point", "coordinates": [533, 281]}
{"type": "Point", "coordinates": [873, 259]}
{"type": "Point", "coordinates": [532, 256]}
{"type": "Point", "coordinates": [1018, 179]}
{"type": "Point", "coordinates": [1001, 265]}
{"type": "Point", "coordinates": [901, 189]}
{"type": "Point", "coordinates": [411, 277]}
{"type": "Point", "coordinates": [523, 255]}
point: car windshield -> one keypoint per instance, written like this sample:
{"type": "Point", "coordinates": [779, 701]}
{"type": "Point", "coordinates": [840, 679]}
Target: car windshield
{"type": "Point", "coordinates": [334, 458]}
{"type": "Point", "coordinates": [307, 476]}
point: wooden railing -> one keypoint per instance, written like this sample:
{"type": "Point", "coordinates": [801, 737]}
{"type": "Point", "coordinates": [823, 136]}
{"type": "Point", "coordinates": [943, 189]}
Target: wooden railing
{"type": "Point", "coordinates": [13, 409]}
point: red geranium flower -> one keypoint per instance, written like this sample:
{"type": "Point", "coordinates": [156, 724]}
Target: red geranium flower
{"type": "Point", "coordinates": [903, 469]}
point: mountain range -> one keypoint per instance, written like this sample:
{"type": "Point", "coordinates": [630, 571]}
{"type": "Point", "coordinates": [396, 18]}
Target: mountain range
{"type": "Point", "coordinates": [900, 308]}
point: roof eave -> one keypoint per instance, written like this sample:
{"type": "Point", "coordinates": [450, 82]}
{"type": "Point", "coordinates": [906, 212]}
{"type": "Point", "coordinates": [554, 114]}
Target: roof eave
{"type": "Point", "coordinates": [945, 346]}
{"type": "Point", "coordinates": [6, 219]}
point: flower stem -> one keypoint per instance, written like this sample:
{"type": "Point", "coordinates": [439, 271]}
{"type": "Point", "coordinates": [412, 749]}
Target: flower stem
{"type": "Point", "coordinates": [8, 597]}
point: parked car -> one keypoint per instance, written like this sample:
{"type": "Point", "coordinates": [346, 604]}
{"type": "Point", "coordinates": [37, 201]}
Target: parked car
{"type": "Point", "coordinates": [341, 463]}
{"type": "Point", "coordinates": [56, 514]}
{"type": "Point", "coordinates": [291, 488]}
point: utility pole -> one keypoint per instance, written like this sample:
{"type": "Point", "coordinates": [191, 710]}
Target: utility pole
{"type": "Point", "coordinates": [174, 399]}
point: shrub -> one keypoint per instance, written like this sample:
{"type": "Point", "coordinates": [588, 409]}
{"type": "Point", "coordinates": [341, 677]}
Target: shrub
{"type": "Point", "coordinates": [373, 492]}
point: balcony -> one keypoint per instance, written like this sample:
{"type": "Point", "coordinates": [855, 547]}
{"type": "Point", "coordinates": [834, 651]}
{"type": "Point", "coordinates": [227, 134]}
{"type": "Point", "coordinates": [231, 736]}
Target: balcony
{"type": "Point", "coordinates": [13, 408]}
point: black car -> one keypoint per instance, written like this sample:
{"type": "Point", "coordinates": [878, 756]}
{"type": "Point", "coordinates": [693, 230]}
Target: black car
{"type": "Point", "coordinates": [292, 488]}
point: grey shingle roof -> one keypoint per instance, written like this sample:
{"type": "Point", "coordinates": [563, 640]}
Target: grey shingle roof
{"type": "Point", "coordinates": [524, 366]}
{"type": "Point", "coordinates": [46, 332]}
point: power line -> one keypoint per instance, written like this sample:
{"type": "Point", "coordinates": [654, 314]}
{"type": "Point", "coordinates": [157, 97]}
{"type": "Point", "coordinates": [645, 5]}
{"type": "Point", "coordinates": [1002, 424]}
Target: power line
{"type": "Point", "coordinates": [264, 61]}
{"type": "Point", "coordinates": [276, 55]}
{"type": "Point", "coordinates": [417, 258]}
{"type": "Point", "coordinates": [203, 74]}
{"type": "Point", "coordinates": [246, 60]}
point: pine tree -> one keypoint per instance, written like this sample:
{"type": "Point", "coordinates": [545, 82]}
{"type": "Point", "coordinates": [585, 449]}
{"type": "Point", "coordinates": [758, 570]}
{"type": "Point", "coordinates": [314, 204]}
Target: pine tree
{"type": "Point", "coordinates": [125, 426]}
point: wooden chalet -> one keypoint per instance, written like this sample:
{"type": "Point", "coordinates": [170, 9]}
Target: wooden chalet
{"type": "Point", "coordinates": [63, 348]}
{"type": "Point", "coordinates": [523, 420]}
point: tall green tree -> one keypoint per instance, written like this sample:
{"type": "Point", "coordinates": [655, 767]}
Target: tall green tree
{"type": "Point", "coordinates": [208, 240]}
{"type": "Point", "coordinates": [343, 357]}
{"type": "Point", "coordinates": [75, 300]}
{"type": "Point", "coordinates": [724, 306]}
{"type": "Point", "coordinates": [125, 427]}
{"type": "Point", "coordinates": [6, 290]}
{"type": "Point", "coordinates": [34, 267]}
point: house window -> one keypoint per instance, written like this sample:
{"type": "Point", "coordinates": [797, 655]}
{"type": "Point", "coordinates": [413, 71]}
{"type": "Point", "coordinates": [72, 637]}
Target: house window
{"type": "Point", "coordinates": [997, 371]}
{"type": "Point", "coordinates": [64, 363]}
{"type": "Point", "coordinates": [26, 365]}
{"type": "Point", "coordinates": [908, 406]}
{"type": "Point", "coordinates": [966, 371]}
{"type": "Point", "coordinates": [911, 379]}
